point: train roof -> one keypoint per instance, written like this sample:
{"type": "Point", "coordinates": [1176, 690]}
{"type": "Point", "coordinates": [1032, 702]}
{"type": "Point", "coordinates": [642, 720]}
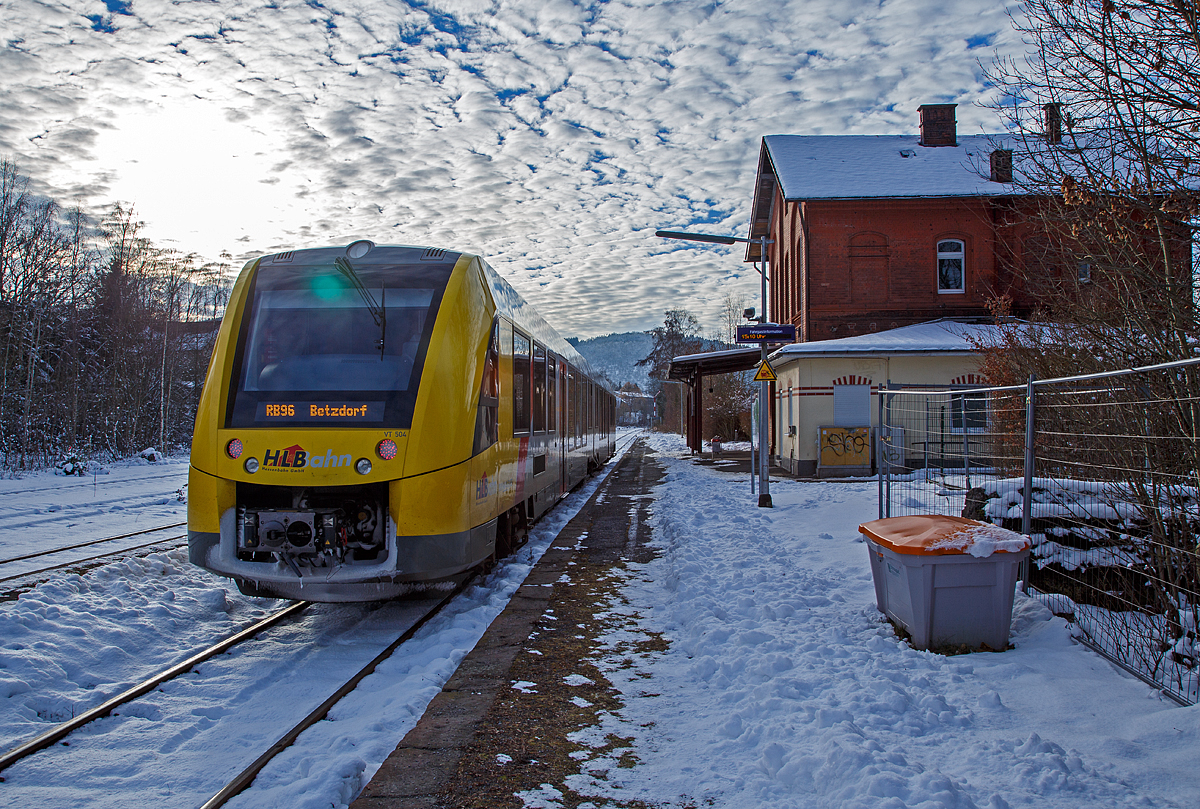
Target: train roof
{"type": "Point", "coordinates": [517, 309]}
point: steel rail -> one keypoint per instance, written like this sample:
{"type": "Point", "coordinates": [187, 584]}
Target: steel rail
{"type": "Point", "coordinates": [247, 776]}
{"type": "Point", "coordinates": [56, 733]}
{"type": "Point", "coordinates": [95, 482]}
{"type": "Point", "coordinates": [91, 542]}
{"type": "Point", "coordinates": [92, 558]}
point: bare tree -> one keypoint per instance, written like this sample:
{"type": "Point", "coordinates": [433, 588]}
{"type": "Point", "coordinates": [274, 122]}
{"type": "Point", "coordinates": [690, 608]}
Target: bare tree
{"type": "Point", "coordinates": [104, 338]}
{"type": "Point", "coordinates": [1106, 149]}
{"type": "Point", "coordinates": [678, 335]}
{"type": "Point", "coordinates": [728, 397]}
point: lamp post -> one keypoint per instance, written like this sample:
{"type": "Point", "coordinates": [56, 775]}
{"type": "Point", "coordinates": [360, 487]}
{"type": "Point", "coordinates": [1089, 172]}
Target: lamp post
{"type": "Point", "coordinates": [764, 462]}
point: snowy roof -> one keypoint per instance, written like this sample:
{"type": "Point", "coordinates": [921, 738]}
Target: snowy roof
{"type": "Point", "coordinates": [894, 166]}
{"type": "Point", "coordinates": [934, 337]}
{"type": "Point", "coordinates": [724, 353]}
{"type": "Point", "coordinates": [685, 368]}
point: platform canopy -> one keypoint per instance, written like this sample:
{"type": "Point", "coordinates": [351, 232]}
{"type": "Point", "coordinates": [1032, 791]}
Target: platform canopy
{"type": "Point", "coordinates": [691, 367]}
{"type": "Point", "coordinates": [691, 370]}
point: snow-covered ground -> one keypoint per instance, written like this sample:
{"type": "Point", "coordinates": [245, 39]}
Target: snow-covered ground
{"type": "Point", "coordinates": [782, 685]}
{"type": "Point", "coordinates": [44, 511]}
{"type": "Point", "coordinates": [77, 640]}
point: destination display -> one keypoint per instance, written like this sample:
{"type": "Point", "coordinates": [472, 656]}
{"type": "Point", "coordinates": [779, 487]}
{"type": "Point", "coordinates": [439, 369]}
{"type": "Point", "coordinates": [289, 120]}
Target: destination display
{"type": "Point", "coordinates": [320, 411]}
{"type": "Point", "coordinates": [766, 333]}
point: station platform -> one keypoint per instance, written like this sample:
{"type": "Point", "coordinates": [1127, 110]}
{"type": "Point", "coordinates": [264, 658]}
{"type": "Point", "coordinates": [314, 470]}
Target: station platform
{"type": "Point", "coordinates": [486, 736]}
{"type": "Point", "coordinates": [736, 462]}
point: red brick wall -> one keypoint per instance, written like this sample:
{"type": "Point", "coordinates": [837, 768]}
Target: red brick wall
{"type": "Point", "coordinates": [870, 265]}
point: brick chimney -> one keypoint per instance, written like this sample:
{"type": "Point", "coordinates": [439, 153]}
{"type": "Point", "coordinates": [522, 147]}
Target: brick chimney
{"type": "Point", "coordinates": [1053, 122]}
{"type": "Point", "coordinates": [938, 127]}
{"type": "Point", "coordinates": [1001, 160]}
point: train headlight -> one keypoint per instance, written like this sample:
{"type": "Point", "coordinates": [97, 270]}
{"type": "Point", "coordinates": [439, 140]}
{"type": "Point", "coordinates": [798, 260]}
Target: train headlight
{"type": "Point", "coordinates": [360, 248]}
{"type": "Point", "coordinates": [234, 448]}
{"type": "Point", "coordinates": [251, 465]}
{"type": "Point", "coordinates": [363, 466]}
{"type": "Point", "coordinates": [386, 449]}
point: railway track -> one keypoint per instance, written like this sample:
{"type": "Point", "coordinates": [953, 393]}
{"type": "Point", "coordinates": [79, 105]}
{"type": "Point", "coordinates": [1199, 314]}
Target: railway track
{"type": "Point", "coordinates": [57, 733]}
{"type": "Point", "coordinates": [60, 734]}
{"type": "Point", "coordinates": [11, 564]}
{"type": "Point", "coordinates": [184, 736]}
{"type": "Point", "coordinates": [246, 776]}
{"type": "Point", "coordinates": [94, 482]}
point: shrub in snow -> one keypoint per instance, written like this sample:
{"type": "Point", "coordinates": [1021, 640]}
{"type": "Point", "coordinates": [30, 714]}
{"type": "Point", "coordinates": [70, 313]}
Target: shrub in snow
{"type": "Point", "coordinates": [71, 465]}
{"type": "Point", "coordinates": [151, 454]}
{"type": "Point", "coordinates": [1116, 559]}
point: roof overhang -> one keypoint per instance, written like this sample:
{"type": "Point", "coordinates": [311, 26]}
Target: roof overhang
{"type": "Point", "coordinates": [690, 367]}
{"type": "Point", "coordinates": [765, 183]}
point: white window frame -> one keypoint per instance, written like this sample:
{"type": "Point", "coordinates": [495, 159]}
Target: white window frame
{"type": "Point", "coordinates": [948, 255]}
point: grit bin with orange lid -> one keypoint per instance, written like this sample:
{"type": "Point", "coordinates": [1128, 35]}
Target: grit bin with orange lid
{"type": "Point", "coordinates": [947, 581]}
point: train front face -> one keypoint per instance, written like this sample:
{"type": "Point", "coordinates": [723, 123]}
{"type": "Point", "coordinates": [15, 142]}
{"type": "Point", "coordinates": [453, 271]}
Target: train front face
{"type": "Point", "coordinates": [332, 369]}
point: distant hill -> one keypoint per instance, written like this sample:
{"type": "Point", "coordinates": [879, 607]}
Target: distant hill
{"type": "Point", "coordinates": [616, 355]}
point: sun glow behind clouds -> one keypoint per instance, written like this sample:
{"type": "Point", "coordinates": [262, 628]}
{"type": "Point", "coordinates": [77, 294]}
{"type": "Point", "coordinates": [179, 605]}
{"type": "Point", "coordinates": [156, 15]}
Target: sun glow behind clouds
{"type": "Point", "coordinates": [553, 137]}
{"type": "Point", "coordinates": [203, 182]}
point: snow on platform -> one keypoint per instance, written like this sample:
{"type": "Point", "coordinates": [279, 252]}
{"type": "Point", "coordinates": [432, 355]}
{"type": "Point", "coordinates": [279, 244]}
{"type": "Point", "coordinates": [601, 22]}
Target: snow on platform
{"type": "Point", "coordinates": [781, 685]}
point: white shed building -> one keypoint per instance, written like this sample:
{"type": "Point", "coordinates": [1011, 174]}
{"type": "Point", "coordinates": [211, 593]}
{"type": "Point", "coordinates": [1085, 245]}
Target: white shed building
{"type": "Point", "coordinates": [826, 397]}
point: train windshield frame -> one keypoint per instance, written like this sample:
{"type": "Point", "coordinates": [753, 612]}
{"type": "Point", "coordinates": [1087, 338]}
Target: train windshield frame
{"type": "Point", "coordinates": [334, 345]}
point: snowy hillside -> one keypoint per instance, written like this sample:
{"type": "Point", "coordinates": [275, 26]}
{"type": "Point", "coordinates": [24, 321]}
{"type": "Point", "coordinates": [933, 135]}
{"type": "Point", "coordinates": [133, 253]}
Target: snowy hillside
{"type": "Point", "coordinates": [616, 355]}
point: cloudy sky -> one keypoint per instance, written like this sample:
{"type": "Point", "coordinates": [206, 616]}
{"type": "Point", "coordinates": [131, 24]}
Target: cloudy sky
{"type": "Point", "coordinates": [552, 136]}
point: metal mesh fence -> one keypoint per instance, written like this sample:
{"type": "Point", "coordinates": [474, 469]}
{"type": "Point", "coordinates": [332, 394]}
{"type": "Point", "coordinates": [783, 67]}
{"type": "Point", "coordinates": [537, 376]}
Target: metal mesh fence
{"type": "Point", "coordinates": [1111, 465]}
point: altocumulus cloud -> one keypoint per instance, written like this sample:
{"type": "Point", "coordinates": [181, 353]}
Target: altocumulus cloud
{"type": "Point", "coordinates": [552, 136]}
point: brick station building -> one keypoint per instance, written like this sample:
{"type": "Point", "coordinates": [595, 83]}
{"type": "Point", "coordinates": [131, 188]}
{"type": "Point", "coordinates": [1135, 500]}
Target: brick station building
{"type": "Point", "coordinates": [875, 232]}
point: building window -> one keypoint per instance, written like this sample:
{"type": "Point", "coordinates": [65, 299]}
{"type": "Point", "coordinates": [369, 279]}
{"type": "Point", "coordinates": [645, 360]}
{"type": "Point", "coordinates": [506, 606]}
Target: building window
{"type": "Point", "coordinates": [1084, 270]}
{"type": "Point", "coordinates": [969, 410]}
{"type": "Point", "coordinates": [851, 405]}
{"type": "Point", "coordinates": [951, 261]}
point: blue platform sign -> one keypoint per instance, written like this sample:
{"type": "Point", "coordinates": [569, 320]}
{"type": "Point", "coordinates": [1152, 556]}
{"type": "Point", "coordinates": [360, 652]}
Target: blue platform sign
{"type": "Point", "coordinates": [766, 333]}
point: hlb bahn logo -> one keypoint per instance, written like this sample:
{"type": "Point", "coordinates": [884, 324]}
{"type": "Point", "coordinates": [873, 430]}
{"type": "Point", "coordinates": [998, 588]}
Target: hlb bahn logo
{"type": "Point", "coordinates": [296, 457]}
{"type": "Point", "coordinates": [481, 488]}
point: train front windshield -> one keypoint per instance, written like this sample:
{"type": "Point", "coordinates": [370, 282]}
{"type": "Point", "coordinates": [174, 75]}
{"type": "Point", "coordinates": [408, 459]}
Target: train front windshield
{"type": "Point", "coordinates": [331, 346]}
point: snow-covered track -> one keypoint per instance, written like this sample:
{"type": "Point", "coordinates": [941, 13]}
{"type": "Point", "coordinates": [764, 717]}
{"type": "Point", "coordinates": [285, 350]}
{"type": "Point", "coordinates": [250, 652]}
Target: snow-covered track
{"type": "Point", "coordinates": [96, 482]}
{"type": "Point", "coordinates": [8, 566]}
{"type": "Point", "coordinates": [246, 777]}
{"type": "Point", "coordinates": [90, 542]}
{"type": "Point", "coordinates": [60, 731]}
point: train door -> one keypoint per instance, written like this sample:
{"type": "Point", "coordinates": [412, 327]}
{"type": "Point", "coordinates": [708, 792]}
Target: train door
{"type": "Point", "coordinates": [561, 422]}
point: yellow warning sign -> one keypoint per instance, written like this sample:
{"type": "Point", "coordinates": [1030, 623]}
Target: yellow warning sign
{"type": "Point", "coordinates": [765, 373]}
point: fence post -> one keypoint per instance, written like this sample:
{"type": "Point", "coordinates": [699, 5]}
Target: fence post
{"type": "Point", "coordinates": [887, 495]}
{"type": "Point", "coordinates": [1027, 496]}
{"type": "Point", "coordinates": [966, 444]}
{"type": "Point", "coordinates": [881, 454]}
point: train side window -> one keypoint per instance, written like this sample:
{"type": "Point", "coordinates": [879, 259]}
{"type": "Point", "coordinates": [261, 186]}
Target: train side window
{"type": "Point", "coordinates": [585, 410]}
{"type": "Point", "coordinates": [552, 392]}
{"type": "Point", "coordinates": [539, 388]}
{"type": "Point", "coordinates": [521, 409]}
{"type": "Point", "coordinates": [487, 418]}
{"type": "Point", "coordinates": [570, 396]}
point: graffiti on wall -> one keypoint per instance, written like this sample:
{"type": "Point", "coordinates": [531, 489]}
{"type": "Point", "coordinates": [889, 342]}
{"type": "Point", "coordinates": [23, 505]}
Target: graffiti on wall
{"type": "Point", "coordinates": [845, 446]}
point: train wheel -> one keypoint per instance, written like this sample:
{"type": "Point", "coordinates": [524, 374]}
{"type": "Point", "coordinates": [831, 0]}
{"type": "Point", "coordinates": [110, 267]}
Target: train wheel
{"type": "Point", "coordinates": [512, 531]}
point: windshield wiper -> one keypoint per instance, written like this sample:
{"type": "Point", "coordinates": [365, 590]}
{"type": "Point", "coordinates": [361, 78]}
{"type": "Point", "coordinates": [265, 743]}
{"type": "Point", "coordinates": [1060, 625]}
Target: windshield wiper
{"type": "Point", "coordinates": [378, 312]}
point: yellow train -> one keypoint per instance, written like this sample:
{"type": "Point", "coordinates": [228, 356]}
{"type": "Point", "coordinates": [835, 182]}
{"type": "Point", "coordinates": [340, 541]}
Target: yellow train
{"type": "Point", "coordinates": [376, 417]}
